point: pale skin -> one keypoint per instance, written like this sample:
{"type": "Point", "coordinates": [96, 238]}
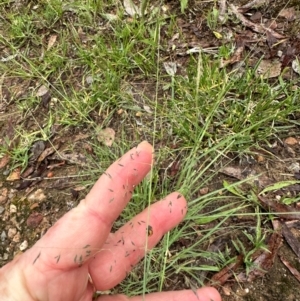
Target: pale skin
{"type": "Point", "coordinates": [79, 254]}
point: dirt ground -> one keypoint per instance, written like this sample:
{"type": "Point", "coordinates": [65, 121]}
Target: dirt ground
{"type": "Point", "coordinates": [29, 208]}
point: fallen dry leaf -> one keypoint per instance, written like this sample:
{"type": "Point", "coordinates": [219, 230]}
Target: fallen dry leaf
{"type": "Point", "coordinates": [260, 28]}
{"type": "Point", "coordinates": [28, 171]}
{"type": "Point", "coordinates": [282, 210]}
{"type": "Point", "coordinates": [288, 13]}
{"type": "Point", "coordinates": [291, 141]}
{"type": "Point", "coordinates": [14, 175]}
{"type": "Point", "coordinates": [4, 160]}
{"type": "Point", "coordinates": [42, 91]}
{"type": "Point", "coordinates": [232, 171]}
{"type": "Point", "coordinates": [269, 69]}
{"type": "Point", "coordinates": [131, 9]}
{"type": "Point", "coordinates": [81, 136]}
{"type": "Point", "coordinates": [263, 260]}
{"type": "Point", "coordinates": [47, 152]}
{"type": "Point", "coordinates": [288, 56]}
{"type": "Point", "coordinates": [296, 66]}
{"type": "Point", "coordinates": [51, 41]}
{"type": "Point", "coordinates": [171, 68]}
{"type": "Point", "coordinates": [226, 273]}
{"type": "Point", "coordinates": [106, 136]}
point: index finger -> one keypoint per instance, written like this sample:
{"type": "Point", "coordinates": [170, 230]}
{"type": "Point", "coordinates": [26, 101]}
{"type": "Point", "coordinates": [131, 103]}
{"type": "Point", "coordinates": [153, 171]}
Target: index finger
{"type": "Point", "coordinates": [80, 233]}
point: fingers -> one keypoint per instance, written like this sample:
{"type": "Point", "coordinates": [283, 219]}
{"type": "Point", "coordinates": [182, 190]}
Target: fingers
{"type": "Point", "coordinates": [80, 233]}
{"type": "Point", "coordinates": [127, 246]}
{"type": "Point", "coordinates": [202, 294]}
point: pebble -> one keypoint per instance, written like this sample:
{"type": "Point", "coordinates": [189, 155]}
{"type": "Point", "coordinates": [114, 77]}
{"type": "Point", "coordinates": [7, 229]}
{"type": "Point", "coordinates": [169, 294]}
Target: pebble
{"type": "Point", "coordinates": [6, 172]}
{"type": "Point", "coordinates": [1, 209]}
{"type": "Point", "coordinates": [37, 195]}
{"type": "Point", "coordinates": [23, 245]}
{"type": "Point", "coordinates": [34, 219]}
{"type": "Point", "coordinates": [5, 256]}
{"type": "Point", "coordinates": [294, 167]}
{"type": "Point", "coordinates": [204, 191]}
{"type": "Point", "coordinates": [3, 236]}
{"type": "Point", "coordinates": [11, 232]}
{"type": "Point", "coordinates": [291, 141]}
{"type": "Point", "coordinates": [89, 79]}
{"type": "Point", "coordinates": [3, 195]}
{"type": "Point", "coordinates": [17, 237]}
{"type": "Point", "coordinates": [12, 208]}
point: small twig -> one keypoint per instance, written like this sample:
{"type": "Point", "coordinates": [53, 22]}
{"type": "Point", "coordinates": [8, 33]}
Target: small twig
{"type": "Point", "coordinates": [260, 28]}
{"type": "Point", "coordinates": [253, 4]}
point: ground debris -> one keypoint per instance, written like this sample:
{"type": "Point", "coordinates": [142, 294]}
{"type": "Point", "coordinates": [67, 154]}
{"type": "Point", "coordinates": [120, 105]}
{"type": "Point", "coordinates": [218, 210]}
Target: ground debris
{"type": "Point", "coordinates": [253, 4]}
{"type": "Point", "coordinates": [226, 273]}
{"type": "Point", "coordinates": [290, 267]}
{"type": "Point", "coordinates": [260, 28]}
{"type": "Point", "coordinates": [34, 220]}
{"type": "Point", "coordinates": [291, 239]}
{"type": "Point", "coordinates": [106, 136]}
{"type": "Point", "coordinates": [281, 210]}
{"type": "Point", "coordinates": [263, 260]}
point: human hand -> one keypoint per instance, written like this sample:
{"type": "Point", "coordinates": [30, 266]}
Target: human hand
{"type": "Point", "coordinates": [66, 264]}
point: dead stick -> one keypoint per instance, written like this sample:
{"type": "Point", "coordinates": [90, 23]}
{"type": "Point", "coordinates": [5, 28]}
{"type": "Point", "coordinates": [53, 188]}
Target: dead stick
{"type": "Point", "coordinates": [255, 27]}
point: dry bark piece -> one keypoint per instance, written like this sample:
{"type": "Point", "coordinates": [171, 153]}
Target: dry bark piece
{"type": "Point", "coordinates": [291, 239]}
{"type": "Point", "coordinates": [47, 152]}
{"type": "Point", "coordinates": [253, 4]}
{"type": "Point", "coordinates": [28, 172]}
{"type": "Point", "coordinates": [290, 267]}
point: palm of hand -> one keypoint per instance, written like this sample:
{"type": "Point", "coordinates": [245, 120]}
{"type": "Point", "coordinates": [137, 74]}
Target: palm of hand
{"type": "Point", "coordinates": [79, 255]}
